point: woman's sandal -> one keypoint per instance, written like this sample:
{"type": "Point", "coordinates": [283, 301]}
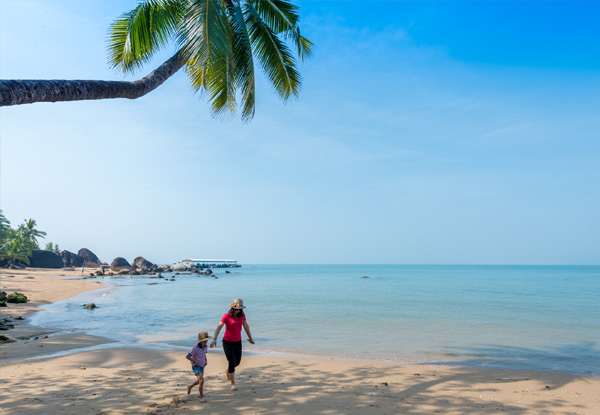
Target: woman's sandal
{"type": "Point", "coordinates": [233, 387]}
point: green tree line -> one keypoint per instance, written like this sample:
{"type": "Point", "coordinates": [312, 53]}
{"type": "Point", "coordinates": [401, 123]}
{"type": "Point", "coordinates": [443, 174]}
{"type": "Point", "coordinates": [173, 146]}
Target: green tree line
{"type": "Point", "coordinates": [16, 244]}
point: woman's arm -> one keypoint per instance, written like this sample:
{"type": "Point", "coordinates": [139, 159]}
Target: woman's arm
{"type": "Point", "coordinates": [247, 328]}
{"type": "Point", "coordinates": [213, 343]}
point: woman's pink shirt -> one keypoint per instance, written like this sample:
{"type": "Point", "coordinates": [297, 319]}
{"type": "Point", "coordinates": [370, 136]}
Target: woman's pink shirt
{"type": "Point", "coordinates": [233, 327]}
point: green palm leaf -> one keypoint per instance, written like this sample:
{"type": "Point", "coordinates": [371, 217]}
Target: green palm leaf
{"type": "Point", "coordinates": [244, 62]}
{"type": "Point", "coordinates": [279, 15]}
{"type": "Point", "coordinates": [275, 57]}
{"type": "Point", "coordinates": [135, 36]}
{"type": "Point", "coordinates": [205, 37]}
{"type": "Point", "coordinates": [303, 45]}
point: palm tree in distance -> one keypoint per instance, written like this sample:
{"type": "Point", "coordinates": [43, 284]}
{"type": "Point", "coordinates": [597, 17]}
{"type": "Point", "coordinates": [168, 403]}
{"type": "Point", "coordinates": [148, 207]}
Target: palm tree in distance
{"type": "Point", "coordinates": [217, 42]}
{"type": "Point", "coordinates": [30, 233]}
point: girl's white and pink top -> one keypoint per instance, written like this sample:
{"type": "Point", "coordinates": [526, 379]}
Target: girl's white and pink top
{"type": "Point", "coordinates": [198, 354]}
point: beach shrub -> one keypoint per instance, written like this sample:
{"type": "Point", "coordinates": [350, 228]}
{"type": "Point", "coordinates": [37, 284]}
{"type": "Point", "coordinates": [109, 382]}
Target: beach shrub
{"type": "Point", "coordinates": [3, 304]}
{"type": "Point", "coordinates": [16, 298]}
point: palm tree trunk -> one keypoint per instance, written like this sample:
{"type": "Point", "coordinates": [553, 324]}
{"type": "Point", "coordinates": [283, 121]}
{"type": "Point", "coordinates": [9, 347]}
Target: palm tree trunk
{"type": "Point", "coordinates": [24, 91]}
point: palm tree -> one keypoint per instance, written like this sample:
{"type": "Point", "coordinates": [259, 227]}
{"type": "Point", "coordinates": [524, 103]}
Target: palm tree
{"type": "Point", "coordinates": [30, 233]}
{"type": "Point", "coordinates": [4, 226]}
{"type": "Point", "coordinates": [16, 247]}
{"type": "Point", "coordinates": [217, 42]}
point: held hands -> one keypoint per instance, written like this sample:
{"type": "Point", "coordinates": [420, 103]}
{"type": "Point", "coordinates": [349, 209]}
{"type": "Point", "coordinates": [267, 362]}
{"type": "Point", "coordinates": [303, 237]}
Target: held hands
{"type": "Point", "coordinates": [213, 343]}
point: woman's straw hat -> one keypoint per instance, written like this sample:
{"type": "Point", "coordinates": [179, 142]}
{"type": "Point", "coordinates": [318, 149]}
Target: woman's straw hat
{"type": "Point", "coordinates": [238, 304]}
{"type": "Point", "coordinates": [203, 336]}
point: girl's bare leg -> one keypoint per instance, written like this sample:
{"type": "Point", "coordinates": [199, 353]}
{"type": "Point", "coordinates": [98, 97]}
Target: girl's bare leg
{"type": "Point", "coordinates": [201, 387]}
{"type": "Point", "coordinates": [191, 386]}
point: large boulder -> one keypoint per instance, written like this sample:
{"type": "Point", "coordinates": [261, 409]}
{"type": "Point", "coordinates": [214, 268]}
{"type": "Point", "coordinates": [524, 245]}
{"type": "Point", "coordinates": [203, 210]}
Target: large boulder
{"type": "Point", "coordinates": [44, 259]}
{"type": "Point", "coordinates": [181, 267]}
{"type": "Point", "coordinates": [163, 268]}
{"type": "Point", "coordinates": [91, 260]}
{"type": "Point", "coordinates": [70, 259]}
{"type": "Point", "coordinates": [119, 264]}
{"type": "Point", "coordinates": [142, 263]}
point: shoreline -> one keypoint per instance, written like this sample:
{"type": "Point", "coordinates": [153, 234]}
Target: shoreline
{"type": "Point", "coordinates": [99, 375]}
{"type": "Point", "coordinates": [42, 286]}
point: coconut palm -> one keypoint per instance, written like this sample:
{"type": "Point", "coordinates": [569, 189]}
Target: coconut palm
{"type": "Point", "coordinates": [4, 226]}
{"type": "Point", "coordinates": [30, 233]}
{"type": "Point", "coordinates": [217, 41]}
{"type": "Point", "coordinates": [16, 247]}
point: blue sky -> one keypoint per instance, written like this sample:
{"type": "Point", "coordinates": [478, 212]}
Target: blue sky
{"type": "Point", "coordinates": [426, 132]}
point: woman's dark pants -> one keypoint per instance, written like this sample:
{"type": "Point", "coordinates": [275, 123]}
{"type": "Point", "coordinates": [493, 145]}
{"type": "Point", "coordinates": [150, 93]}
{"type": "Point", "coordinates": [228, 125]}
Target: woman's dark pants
{"type": "Point", "coordinates": [233, 352]}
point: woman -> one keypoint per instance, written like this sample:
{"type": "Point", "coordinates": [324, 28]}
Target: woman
{"type": "Point", "coordinates": [233, 321]}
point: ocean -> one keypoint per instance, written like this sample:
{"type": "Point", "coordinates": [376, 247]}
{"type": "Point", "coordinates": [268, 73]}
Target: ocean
{"type": "Point", "coordinates": [509, 317]}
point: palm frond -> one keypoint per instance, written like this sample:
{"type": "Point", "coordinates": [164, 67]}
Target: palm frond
{"type": "Point", "coordinates": [243, 62]}
{"type": "Point", "coordinates": [303, 45]}
{"type": "Point", "coordinates": [220, 85]}
{"type": "Point", "coordinates": [137, 35]}
{"type": "Point", "coordinates": [205, 34]}
{"type": "Point", "coordinates": [279, 15]}
{"type": "Point", "coordinates": [275, 57]}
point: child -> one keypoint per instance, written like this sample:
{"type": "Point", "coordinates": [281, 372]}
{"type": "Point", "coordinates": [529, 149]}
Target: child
{"type": "Point", "coordinates": [198, 358]}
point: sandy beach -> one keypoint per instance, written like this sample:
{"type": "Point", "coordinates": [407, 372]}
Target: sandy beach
{"type": "Point", "coordinates": [114, 380]}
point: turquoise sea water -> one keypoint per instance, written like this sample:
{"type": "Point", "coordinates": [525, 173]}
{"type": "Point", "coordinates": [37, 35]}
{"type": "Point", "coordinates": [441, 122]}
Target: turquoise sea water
{"type": "Point", "coordinates": [519, 317]}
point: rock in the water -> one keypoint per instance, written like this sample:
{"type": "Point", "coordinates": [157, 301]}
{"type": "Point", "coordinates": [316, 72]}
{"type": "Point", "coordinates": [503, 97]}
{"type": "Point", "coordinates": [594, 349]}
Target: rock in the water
{"type": "Point", "coordinates": [123, 272]}
{"type": "Point", "coordinates": [119, 264]}
{"type": "Point", "coordinates": [5, 339]}
{"type": "Point", "coordinates": [16, 298]}
{"type": "Point", "coordinates": [70, 259]}
{"type": "Point", "coordinates": [208, 272]}
{"type": "Point", "coordinates": [180, 267]}
{"type": "Point", "coordinates": [90, 306]}
{"type": "Point", "coordinates": [44, 259]}
{"type": "Point", "coordinates": [91, 260]}
{"type": "Point", "coordinates": [227, 272]}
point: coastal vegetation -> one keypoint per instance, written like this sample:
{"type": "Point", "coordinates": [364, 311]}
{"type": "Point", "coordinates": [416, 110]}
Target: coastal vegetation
{"type": "Point", "coordinates": [217, 43]}
{"type": "Point", "coordinates": [52, 248]}
{"type": "Point", "coordinates": [16, 244]}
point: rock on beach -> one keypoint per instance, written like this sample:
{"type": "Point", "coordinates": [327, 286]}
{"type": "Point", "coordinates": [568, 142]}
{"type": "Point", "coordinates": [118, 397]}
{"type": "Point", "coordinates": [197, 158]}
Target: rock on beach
{"type": "Point", "coordinates": [91, 260]}
{"type": "Point", "coordinates": [120, 264]}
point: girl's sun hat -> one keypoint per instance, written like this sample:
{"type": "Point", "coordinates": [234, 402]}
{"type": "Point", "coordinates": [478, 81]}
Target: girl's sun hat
{"type": "Point", "coordinates": [238, 304]}
{"type": "Point", "coordinates": [203, 336]}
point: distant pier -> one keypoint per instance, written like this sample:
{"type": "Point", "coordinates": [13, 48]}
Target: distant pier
{"type": "Point", "coordinates": [212, 263]}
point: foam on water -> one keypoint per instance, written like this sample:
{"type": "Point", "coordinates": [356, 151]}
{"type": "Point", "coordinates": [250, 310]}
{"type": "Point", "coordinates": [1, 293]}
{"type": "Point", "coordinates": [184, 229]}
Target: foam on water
{"type": "Point", "coordinates": [522, 317]}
